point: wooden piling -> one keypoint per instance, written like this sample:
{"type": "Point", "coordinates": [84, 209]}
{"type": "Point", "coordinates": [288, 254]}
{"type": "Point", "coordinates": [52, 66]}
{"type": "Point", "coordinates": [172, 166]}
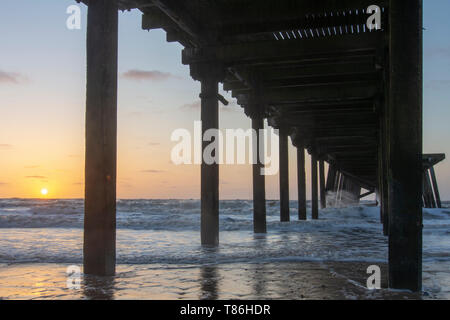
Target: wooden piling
{"type": "Point", "coordinates": [340, 190]}
{"type": "Point", "coordinates": [335, 189]}
{"type": "Point", "coordinates": [209, 74]}
{"type": "Point", "coordinates": [323, 200]}
{"type": "Point", "coordinates": [384, 144]}
{"type": "Point", "coordinates": [430, 186]}
{"type": "Point", "coordinates": [405, 151]}
{"type": "Point", "coordinates": [331, 178]}
{"type": "Point", "coordinates": [209, 172]}
{"type": "Point", "coordinates": [301, 181]}
{"type": "Point", "coordinates": [99, 248]}
{"type": "Point", "coordinates": [259, 190]}
{"type": "Point", "coordinates": [336, 182]}
{"type": "Point", "coordinates": [314, 193]}
{"type": "Point", "coordinates": [284, 176]}
{"type": "Point", "coordinates": [435, 188]}
{"type": "Point", "coordinates": [383, 179]}
{"type": "Point", "coordinates": [428, 191]}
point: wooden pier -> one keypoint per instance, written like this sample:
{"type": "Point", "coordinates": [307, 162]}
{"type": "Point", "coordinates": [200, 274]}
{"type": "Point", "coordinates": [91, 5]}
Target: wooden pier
{"type": "Point", "coordinates": [351, 97]}
{"type": "Point", "coordinates": [430, 191]}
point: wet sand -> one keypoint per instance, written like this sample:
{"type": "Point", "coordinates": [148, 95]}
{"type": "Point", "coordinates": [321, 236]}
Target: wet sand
{"type": "Point", "coordinates": [286, 280]}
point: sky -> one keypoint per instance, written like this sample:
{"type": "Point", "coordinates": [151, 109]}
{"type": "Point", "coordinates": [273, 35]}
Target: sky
{"type": "Point", "coordinates": [42, 107]}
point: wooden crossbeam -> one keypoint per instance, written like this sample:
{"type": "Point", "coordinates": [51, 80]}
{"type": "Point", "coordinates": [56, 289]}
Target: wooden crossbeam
{"type": "Point", "coordinates": [276, 111]}
{"type": "Point", "coordinates": [346, 147]}
{"type": "Point", "coordinates": [341, 119]}
{"type": "Point", "coordinates": [316, 93]}
{"type": "Point", "coordinates": [326, 111]}
{"type": "Point", "coordinates": [290, 71]}
{"type": "Point", "coordinates": [268, 11]}
{"type": "Point", "coordinates": [176, 11]}
{"type": "Point", "coordinates": [313, 48]}
{"type": "Point", "coordinates": [304, 81]}
{"type": "Point", "coordinates": [328, 132]}
{"type": "Point", "coordinates": [367, 182]}
{"type": "Point", "coordinates": [324, 23]}
{"type": "Point", "coordinates": [346, 139]}
{"type": "Point", "coordinates": [431, 159]}
{"type": "Point", "coordinates": [154, 18]}
{"type": "Point", "coordinates": [354, 103]}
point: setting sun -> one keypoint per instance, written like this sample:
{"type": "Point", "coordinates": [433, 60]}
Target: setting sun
{"type": "Point", "coordinates": [44, 192]}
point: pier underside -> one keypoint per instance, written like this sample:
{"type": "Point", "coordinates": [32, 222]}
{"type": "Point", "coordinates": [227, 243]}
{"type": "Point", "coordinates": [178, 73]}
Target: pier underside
{"type": "Point", "coordinates": [351, 97]}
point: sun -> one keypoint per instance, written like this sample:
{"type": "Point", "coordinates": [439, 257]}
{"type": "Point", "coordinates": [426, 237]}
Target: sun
{"type": "Point", "coordinates": [44, 191]}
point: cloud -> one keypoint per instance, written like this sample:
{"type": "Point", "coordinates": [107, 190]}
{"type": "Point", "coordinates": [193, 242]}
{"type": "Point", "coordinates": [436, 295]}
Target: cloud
{"type": "Point", "coordinates": [191, 106]}
{"type": "Point", "coordinates": [11, 77]}
{"type": "Point", "coordinates": [31, 167]}
{"type": "Point", "coordinates": [152, 171]}
{"type": "Point", "coordinates": [36, 177]}
{"type": "Point", "coordinates": [437, 84]}
{"type": "Point", "coordinates": [2, 184]}
{"type": "Point", "coordinates": [153, 75]}
{"type": "Point", "coordinates": [5, 146]}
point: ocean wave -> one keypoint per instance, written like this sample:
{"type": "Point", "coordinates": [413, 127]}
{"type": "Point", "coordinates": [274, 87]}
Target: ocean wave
{"type": "Point", "coordinates": [185, 215]}
{"type": "Point", "coordinates": [168, 232]}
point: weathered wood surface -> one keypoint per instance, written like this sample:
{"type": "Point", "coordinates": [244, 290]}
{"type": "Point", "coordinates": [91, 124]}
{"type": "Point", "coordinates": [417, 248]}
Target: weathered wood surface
{"type": "Point", "coordinates": [314, 188]}
{"type": "Point", "coordinates": [209, 171]}
{"type": "Point", "coordinates": [301, 183]}
{"type": "Point", "coordinates": [284, 176]}
{"type": "Point", "coordinates": [99, 248]}
{"type": "Point", "coordinates": [405, 145]}
{"type": "Point", "coordinates": [323, 200]}
{"type": "Point", "coordinates": [259, 190]}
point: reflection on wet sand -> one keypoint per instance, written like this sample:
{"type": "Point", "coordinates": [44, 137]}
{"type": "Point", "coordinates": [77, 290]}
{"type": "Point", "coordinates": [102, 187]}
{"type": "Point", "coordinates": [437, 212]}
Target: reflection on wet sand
{"type": "Point", "coordinates": [259, 285]}
{"type": "Point", "coordinates": [281, 280]}
{"type": "Point", "coordinates": [209, 283]}
{"type": "Point", "coordinates": [98, 288]}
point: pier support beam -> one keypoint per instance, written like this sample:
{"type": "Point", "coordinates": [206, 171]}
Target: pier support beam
{"type": "Point", "coordinates": [428, 191]}
{"type": "Point", "coordinates": [323, 200]}
{"type": "Point", "coordinates": [383, 176]}
{"type": "Point", "coordinates": [99, 247]}
{"type": "Point", "coordinates": [332, 184]}
{"type": "Point", "coordinates": [314, 193]}
{"type": "Point", "coordinates": [209, 74]}
{"type": "Point", "coordinates": [435, 187]}
{"type": "Point", "coordinates": [405, 151]}
{"type": "Point", "coordinates": [301, 181]}
{"type": "Point", "coordinates": [259, 189]}
{"type": "Point", "coordinates": [340, 190]}
{"type": "Point", "coordinates": [331, 178]}
{"type": "Point", "coordinates": [284, 176]}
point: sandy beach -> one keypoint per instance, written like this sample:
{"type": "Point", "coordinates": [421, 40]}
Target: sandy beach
{"type": "Point", "coordinates": [159, 255]}
{"type": "Point", "coordinates": [285, 281]}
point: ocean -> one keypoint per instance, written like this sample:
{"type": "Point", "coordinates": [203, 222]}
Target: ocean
{"type": "Point", "coordinates": [159, 255]}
